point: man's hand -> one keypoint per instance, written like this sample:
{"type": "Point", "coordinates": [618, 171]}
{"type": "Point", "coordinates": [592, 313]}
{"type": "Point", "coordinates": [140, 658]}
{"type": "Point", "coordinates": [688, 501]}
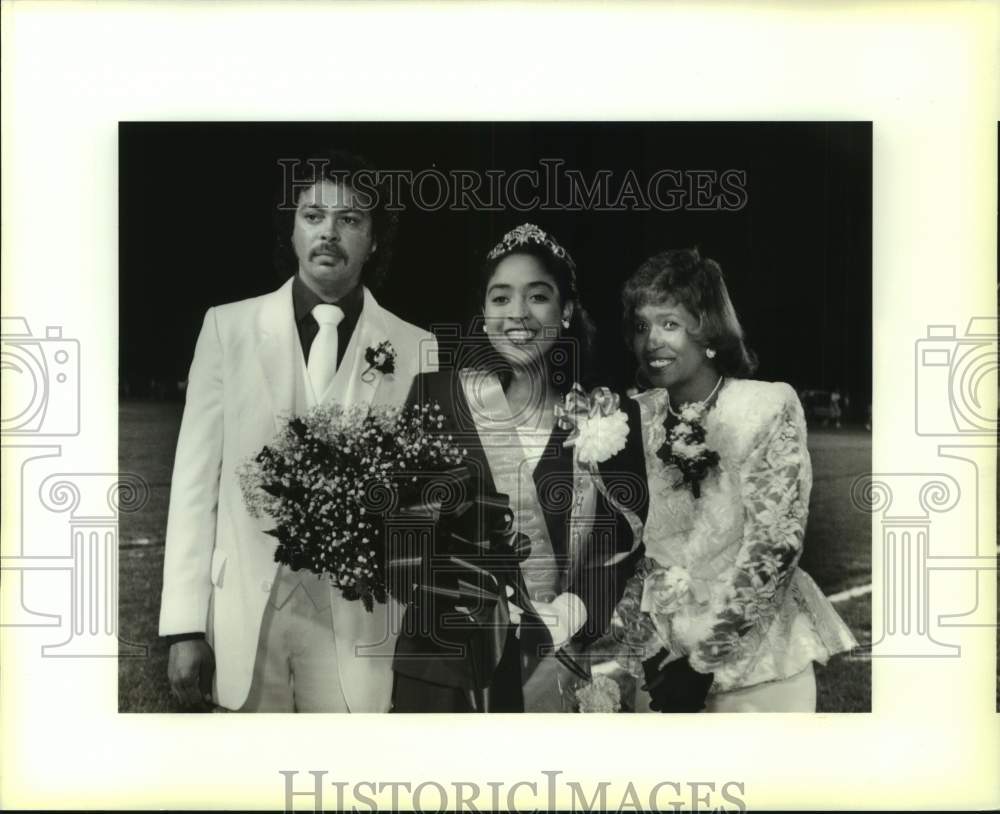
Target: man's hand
{"type": "Point", "coordinates": [190, 667]}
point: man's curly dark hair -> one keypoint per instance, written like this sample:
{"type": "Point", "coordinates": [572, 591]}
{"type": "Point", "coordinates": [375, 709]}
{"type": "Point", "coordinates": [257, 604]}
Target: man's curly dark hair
{"type": "Point", "coordinates": [296, 175]}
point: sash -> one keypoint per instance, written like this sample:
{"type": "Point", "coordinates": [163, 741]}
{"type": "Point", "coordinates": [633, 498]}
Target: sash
{"type": "Point", "coordinates": [512, 475]}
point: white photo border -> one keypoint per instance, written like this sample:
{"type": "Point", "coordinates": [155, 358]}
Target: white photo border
{"type": "Point", "coordinates": [927, 74]}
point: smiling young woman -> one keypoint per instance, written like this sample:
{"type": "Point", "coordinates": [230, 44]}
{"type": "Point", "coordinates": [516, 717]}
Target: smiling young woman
{"type": "Point", "coordinates": [499, 399]}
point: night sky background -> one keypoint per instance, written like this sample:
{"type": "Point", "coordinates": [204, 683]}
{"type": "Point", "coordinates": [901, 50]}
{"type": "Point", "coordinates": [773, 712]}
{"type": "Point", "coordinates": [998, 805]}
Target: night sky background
{"type": "Point", "coordinates": [195, 215]}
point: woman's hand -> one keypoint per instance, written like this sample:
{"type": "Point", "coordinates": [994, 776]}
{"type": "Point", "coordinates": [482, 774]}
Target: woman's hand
{"type": "Point", "coordinates": [564, 616]}
{"type": "Point", "coordinates": [676, 687]}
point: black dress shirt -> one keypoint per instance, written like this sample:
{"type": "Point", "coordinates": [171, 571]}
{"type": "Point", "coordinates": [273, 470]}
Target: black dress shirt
{"type": "Point", "coordinates": [304, 299]}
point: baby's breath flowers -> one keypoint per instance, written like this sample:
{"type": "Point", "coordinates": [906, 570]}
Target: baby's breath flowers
{"type": "Point", "coordinates": [328, 477]}
{"type": "Point", "coordinates": [601, 694]}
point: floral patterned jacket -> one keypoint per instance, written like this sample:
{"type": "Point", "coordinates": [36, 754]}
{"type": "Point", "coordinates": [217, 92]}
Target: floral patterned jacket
{"type": "Point", "coordinates": [720, 583]}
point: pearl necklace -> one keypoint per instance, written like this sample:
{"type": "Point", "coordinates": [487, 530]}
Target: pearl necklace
{"type": "Point", "coordinates": [701, 405]}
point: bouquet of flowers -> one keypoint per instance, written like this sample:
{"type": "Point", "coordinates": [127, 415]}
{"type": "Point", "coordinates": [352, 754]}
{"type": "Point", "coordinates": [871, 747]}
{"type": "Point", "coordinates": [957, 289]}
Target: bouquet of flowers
{"type": "Point", "coordinates": [329, 477]}
{"type": "Point", "coordinates": [600, 694]}
{"type": "Point", "coordinates": [597, 681]}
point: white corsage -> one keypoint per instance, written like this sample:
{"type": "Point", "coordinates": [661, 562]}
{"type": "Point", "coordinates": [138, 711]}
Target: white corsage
{"type": "Point", "coordinates": [601, 437]}
{"type": "Point", "coordinates": [598, 428]}
{"type": "Point", "coordinates": [691, 412]}
{"type": "Point", "coordinates": [598, 432]}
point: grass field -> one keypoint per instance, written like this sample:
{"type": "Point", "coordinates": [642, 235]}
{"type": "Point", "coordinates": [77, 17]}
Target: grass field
{"type": "Point", "coordinates": [837, 555]}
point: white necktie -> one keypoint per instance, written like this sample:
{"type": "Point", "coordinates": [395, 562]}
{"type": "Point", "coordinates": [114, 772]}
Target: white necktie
{"type": "Point", "coordinates": [322, 363]}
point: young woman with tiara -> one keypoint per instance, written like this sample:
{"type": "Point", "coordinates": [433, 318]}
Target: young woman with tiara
{"type": "Point", "coordinates": [719, 614]}
{"type": "Point", "coordinates": [511, 403]}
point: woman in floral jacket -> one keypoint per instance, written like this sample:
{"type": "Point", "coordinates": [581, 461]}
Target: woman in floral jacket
{"type": "Point", "coordinates": [719, 607]}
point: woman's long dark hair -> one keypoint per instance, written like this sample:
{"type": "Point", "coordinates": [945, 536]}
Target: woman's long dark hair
{"type": "Point", "coordinates": [572, 358]}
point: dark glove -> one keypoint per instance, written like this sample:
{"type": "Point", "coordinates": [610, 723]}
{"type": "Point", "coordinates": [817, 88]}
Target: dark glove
{"type": "Point", "coordinates": [677, 687]}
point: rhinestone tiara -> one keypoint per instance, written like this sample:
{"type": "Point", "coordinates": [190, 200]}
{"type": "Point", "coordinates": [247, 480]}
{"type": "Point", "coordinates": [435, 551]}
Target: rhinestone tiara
{"type": "Point", "coordinates": [529, 233]}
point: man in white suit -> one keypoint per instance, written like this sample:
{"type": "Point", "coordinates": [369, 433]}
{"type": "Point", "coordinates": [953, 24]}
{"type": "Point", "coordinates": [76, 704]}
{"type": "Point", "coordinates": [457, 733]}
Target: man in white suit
{"type": "Point", "coordinates": [277, 640]}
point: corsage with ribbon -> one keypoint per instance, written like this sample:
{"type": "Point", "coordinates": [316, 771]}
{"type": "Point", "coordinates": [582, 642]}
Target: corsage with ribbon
{"type": "Point", "coordinates": [598, 430]}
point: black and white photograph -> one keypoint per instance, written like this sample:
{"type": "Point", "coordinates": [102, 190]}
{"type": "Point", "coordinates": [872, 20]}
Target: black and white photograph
{"type": "Point", "coordinates": [446, 384]}
{"type": "Point", "coordinates": [496, 417]}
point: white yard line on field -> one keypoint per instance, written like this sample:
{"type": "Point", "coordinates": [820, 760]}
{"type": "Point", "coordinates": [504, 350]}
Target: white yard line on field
{"type": "Point", "coordinates": [850, 593]}
{"type": "Point", "coordinates": [860, 590]}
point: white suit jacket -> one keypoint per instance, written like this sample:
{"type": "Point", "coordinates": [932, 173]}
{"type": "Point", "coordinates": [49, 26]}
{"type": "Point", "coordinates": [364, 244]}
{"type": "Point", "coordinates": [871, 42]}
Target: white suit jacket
{"type": "Point", "coordinates": [247, 373]}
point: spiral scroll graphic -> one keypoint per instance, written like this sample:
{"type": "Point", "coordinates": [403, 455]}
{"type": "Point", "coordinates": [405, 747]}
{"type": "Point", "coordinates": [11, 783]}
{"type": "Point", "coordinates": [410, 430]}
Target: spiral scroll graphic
{"type": "Point", "coordinates": [555, 492]}
{"type": "Point", "coordinates": [59, 495]}
{"type": "Point", "coordinates": [870, 495]}
{"type": "Point", "coordinates": [444, 491]}
{"type": "Point", "coordinates": [628, 490]}
{"type": "Point", "coordinates": [939, 495]}
{"type": "Point", "coordinates": [378, 497]}
{"type": "Point", "coordinates": [129, 494]}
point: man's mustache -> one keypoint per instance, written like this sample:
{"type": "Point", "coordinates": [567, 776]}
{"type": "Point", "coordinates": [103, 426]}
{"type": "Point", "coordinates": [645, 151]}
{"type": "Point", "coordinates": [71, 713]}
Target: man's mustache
{"type": "Point", "coordinates": [331, 249]}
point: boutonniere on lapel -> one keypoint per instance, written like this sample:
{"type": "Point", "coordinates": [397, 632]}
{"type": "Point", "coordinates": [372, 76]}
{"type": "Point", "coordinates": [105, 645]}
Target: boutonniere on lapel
{"type": "Point", "coordinates": [381, 358]}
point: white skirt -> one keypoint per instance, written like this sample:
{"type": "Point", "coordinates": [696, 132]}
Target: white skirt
{"type": "Point", "coordinates": [796, 693]}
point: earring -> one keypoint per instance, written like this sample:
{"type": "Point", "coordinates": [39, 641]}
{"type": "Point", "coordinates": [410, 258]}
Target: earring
{"type": "Point", "coordinates": [484, 327]}
{"type": "Point", "coordinates": [565, 323]}
{"type": "Point", "coordinates": [710, 353]}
